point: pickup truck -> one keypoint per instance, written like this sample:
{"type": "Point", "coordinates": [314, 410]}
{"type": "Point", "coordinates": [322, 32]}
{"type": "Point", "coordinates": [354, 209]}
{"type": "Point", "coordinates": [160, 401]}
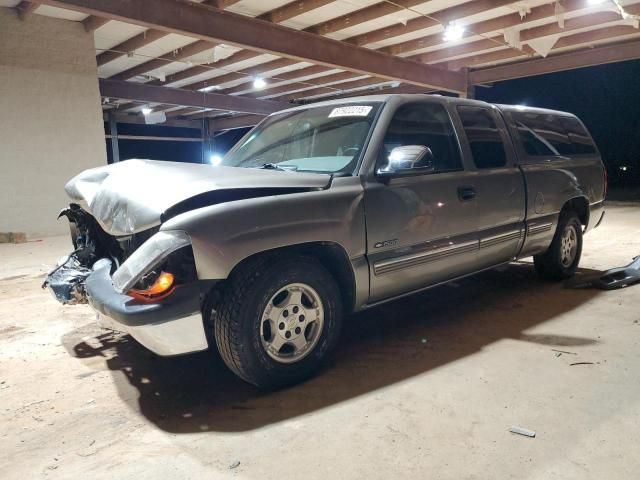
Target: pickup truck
{"type": "Point", "coordinates": [322, 210]}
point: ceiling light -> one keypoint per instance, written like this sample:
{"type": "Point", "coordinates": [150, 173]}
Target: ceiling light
{"type": "Point", "coordinates": [259, 83]}
{"type": "Point", "coordinates": [453, 32]}
{"type": "Point", "coordinates": [209, 88]}
{"type": "Point", "coordinates": [146, 110]}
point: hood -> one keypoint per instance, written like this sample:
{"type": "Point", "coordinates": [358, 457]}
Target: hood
{"type": "Point", "coordinates": [131, 196]}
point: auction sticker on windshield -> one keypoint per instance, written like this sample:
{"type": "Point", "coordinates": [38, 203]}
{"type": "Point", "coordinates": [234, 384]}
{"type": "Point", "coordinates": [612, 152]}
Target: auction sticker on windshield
{"type": "Point", "coordinates": [352, 111]}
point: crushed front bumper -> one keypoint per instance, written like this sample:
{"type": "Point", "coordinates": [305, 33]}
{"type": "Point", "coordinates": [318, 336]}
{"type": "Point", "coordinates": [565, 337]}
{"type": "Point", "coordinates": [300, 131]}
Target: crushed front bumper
{"type": "Point", "coordinates": [173, 326]}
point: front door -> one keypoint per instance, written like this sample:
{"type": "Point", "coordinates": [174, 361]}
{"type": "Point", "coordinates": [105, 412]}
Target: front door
{"type": "Point", "coordinates": [421, 229]}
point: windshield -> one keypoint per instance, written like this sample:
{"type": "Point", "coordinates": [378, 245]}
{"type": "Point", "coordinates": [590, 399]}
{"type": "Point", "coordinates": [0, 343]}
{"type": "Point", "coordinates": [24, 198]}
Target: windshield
{"type": "Point", "coordinates": [325, 139]}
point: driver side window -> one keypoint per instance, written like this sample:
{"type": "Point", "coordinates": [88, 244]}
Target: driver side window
{"type": "Point", "coordinates": [423, 124]}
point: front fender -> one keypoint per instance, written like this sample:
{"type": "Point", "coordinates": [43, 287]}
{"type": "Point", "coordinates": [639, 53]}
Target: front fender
{"type": "Point", "coordinates": [223, 235]}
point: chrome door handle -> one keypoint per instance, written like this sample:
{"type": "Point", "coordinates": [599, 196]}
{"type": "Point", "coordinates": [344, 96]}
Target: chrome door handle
{"type": "Point", "coordinates": [466, 193]}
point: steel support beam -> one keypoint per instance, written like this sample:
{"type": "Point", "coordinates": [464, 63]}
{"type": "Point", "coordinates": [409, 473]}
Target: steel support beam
{"type": "Point", "coordinates": [214, 25]}
{"type": "Point", "coordinates": [565, 61]}
{"type": "Point", "coordinates": [24, 8]}
{"type": "Point", "coordinates": [92, 23]}
{"type": "Point", "coordinates": [186, 98]}
{"type": "Point", "coordinates": [231, 123]}
{"type": "Point", "coordinates": [113, 135]}
{"type": "Point", "coordinates": [139, 120]}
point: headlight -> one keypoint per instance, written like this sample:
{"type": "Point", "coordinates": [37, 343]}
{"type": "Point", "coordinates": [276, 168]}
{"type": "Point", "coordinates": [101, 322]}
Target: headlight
{"type": "Point", "coordinates": [151, 253]}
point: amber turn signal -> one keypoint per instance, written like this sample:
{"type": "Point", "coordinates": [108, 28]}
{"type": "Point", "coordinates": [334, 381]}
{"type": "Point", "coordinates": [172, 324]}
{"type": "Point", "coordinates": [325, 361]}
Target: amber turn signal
{"type": "Point", "coordinates": [161, 288]}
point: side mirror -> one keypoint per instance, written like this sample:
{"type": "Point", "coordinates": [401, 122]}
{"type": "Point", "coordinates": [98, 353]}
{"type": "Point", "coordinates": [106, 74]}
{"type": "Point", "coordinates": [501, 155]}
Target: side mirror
{"type": "Point", "coordinates": [408, 160]}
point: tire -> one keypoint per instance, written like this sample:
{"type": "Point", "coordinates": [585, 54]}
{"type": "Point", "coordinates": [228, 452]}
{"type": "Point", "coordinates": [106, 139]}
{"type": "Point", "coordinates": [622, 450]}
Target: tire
{"type": "Point", "coordinates": [281, 286]}
{"type": "Point", "coordinates": [561, 260]}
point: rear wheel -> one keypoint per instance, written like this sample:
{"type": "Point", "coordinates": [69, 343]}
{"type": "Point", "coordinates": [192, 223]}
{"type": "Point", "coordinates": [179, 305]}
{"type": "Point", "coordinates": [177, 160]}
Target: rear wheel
{"type": "Point", "coordinates": [561, 260]}
{"type": "Point", "coordinates": [278, 319]}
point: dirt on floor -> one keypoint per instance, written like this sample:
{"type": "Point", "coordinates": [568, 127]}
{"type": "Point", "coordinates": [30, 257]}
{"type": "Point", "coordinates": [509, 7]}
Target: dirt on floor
{"type": "Point", "coordinates": [425, 387]}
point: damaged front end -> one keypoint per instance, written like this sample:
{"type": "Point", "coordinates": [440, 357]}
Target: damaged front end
{"type": "Point", "coordinates": [90, 242]}
{"type": "Point", "coordinates": [146, 266]}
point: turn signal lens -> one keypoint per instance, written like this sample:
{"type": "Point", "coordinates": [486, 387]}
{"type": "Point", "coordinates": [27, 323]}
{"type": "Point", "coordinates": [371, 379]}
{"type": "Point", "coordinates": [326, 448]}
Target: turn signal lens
{"type": "Point", "coordinates": [162, 287]}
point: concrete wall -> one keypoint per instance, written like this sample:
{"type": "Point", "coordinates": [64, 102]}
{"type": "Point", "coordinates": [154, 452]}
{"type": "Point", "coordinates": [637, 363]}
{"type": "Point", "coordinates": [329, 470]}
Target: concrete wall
{"type": "Point", "coordinates": [50, 118]}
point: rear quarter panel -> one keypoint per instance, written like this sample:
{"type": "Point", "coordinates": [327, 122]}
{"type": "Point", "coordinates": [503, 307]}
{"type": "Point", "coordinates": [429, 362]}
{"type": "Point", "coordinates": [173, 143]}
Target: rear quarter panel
{"type": "Point", "coordinates": [551, 182]}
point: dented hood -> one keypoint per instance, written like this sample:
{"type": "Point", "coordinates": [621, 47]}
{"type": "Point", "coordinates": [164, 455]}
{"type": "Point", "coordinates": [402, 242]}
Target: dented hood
{"type": "Point", "coordinates": [130, 196]}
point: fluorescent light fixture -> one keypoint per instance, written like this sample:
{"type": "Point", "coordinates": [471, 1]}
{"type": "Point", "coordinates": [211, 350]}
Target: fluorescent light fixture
{"type": "Point", "coordinates": [453, 32]}
{"type": "Point", "coordinates": [146, 111]}
{"type": "Point", "coordinates": [259, 83]}
{"type": "Point", "coordinates": [215, 159]}
{"type": "Point", "coordinates": [209, 88]}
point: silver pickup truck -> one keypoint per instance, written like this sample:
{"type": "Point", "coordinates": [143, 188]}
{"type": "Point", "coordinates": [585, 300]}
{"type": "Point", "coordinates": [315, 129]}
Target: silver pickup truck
{"type": "Point", "coordinates": [322, 210]}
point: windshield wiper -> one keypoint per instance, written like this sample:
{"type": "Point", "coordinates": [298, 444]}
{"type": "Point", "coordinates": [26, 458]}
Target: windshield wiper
{"type": "Point", "coordinates": [272, 166]}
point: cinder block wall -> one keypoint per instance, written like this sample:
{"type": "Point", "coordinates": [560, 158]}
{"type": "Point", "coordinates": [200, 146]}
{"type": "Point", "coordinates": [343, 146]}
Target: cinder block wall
{"type": "Point", "coordinates": [50, 119]}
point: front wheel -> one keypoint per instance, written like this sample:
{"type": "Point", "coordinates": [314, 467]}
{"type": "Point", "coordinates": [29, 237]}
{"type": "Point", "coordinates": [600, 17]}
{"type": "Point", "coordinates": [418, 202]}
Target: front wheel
{"type": "Point", "coordinates": [561, 260]}
{"type": "Point", "coordinates": [278, 320]}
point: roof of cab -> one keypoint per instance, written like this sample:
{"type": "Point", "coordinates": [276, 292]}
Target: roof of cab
{"type": "Point", "coordinates": [444, 99]}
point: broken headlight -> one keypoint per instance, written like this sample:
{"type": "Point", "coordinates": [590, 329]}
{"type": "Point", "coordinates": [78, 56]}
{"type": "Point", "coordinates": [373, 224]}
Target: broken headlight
{"type": "Point", "coordinates": [150, 254]}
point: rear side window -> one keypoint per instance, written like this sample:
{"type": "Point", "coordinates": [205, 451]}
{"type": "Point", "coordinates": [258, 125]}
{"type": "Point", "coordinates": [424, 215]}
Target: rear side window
{"type": "Point", "coordinates": [542, 134]}
{"type": "Point", "coordinates": [426, 124]}
{"type": "Point", "coordinates": [484, 138]}
{"type": "Point", "coordinates": [581, 142]}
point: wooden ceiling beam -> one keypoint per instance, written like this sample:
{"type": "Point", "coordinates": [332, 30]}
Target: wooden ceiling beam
{"type": "Point", "coordinates": [277, 15]}
{"type": "Point", "coordinates": [439, 57]}
{"type": "Point", "coordinates": [335, 89]}
{"type": "Point", "coordinates": [444, 16]}
{"type": "Point", "coordinates": [134, 43]}
{"type": "Point", "coordinates": [282, 77]}
{"type": "Point", "coordinates": [215, 25]}
{"type": "Point", "coordinates": [366, 14]}
{"type": "Point", "coordinates": [376, 10]}
{"type": "Point", "coordinates": [607, 33]}
{"type": "Point", "coordinates": [236, 57]}
{"type": "Point", "coordinates": [345, 21]}
{"type": "Point", "coordinates": [181, 54]}
{"type": "Point", "coordinates": [92, 22]}
{"type": "Point", "coordinates": [493, 25]}
{"type": "Point", "coordinates": [144, 38]}
{"type": "Point", "coordinates": [576, 23]}
{"type": "Point", "coordinates": [245, 74]}
{"type": "Point", "coordinates": [309, 84]}
{"type": "Point", "coordinates": [292, 9]}
{"type": "Point", "coordinates": [556, 63]}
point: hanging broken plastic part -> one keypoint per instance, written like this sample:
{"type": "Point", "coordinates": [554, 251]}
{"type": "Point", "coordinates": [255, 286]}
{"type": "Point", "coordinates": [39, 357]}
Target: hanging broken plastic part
{"type": "Point", "coordinates": [66, 281]}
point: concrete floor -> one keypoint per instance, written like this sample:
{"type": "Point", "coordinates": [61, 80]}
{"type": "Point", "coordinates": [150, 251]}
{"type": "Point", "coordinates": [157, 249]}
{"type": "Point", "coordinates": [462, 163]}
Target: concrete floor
{"type": "Point", "coordinates": [426, 387]}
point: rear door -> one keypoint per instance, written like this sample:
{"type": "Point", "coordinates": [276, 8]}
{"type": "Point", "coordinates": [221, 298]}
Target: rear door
{"type": "Point", "coordinates": [421, 229]}
{"type": "Point", "coordinates": [499, 184]}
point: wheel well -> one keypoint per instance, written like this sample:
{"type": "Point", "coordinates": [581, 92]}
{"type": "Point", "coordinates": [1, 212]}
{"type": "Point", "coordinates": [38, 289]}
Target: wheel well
{"type": "Point", "coordinates": [332, 257]}
{"type": "Point", "coordinates": [580, 205]}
